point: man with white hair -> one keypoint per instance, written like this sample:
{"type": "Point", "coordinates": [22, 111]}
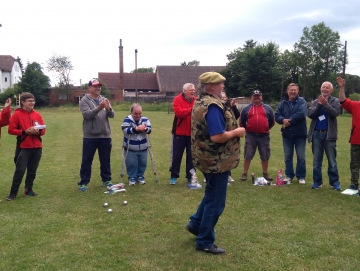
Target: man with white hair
{"type": "Point", "coordinates": [181, 130]}
{"type": "Point", "coordinates": [323, 135]}
{"type": "Point", "coordinates": [215, 138]}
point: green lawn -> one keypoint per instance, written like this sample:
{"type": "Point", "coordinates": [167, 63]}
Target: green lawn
{"type": "Point", "coordinates": [262, 228]}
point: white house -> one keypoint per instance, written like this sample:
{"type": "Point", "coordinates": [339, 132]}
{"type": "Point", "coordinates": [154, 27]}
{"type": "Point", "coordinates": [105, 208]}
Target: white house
{"type": "Point", "coordinates": [10, 72]}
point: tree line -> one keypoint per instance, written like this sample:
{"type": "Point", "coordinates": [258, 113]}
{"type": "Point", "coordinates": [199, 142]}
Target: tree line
{"type": "Point", "coordinates": [317, 57]}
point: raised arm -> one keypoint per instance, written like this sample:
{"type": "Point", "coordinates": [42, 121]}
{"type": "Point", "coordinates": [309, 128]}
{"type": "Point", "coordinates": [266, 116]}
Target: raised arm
{"type": "Point", "coordinates": [341, 83]}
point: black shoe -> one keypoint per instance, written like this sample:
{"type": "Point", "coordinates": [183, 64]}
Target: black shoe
{"type": "Point", "coordinates": [191, 230]}
{"type": "Point", "coordinates": [10, 197]}
{"type": "Point", "coordinates": [267, 177]}
{"type": "Point", "coordinates": [30, 193]}
{"type": "Point", "coordinates": [213, 249]}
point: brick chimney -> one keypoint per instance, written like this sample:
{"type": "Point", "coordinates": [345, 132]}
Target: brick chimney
{"type": "Point", "coordinates": [121, 66]}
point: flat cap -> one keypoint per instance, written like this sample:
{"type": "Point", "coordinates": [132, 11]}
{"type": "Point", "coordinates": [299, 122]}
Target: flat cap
{"type": "Point", "coordinates": [211, 78]}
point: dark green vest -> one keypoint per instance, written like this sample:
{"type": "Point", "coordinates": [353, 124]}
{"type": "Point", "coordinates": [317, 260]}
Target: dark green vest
{"type": "Point", "coordinates": [208, 156]}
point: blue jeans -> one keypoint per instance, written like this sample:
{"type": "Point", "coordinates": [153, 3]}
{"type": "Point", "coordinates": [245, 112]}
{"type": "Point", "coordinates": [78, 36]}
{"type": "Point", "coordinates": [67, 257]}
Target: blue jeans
{"type": "Point", "coordinates": [210, 209]}
{"type": "Point", "coordinates": [299, 143]}
{"type": "Point", "coordinates": [136, 162]}
{"type": "Point", "coordinates": [319, 145]}
{"type": "Point", "coordinates": [90, 145]}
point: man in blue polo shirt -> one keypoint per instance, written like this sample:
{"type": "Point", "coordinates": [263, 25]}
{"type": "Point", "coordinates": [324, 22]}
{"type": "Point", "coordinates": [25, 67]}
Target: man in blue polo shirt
{"type": "Point", "coordinates": [215, 138]}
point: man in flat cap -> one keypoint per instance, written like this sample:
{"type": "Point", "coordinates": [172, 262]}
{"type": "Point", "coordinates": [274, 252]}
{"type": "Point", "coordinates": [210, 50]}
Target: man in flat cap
{"type": "Point", "coordinates": [215, 138]}
{"type": "Point", "coordinates": [96, 111]}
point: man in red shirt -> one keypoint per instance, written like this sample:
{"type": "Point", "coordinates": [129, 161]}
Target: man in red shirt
{"type": "Point", "coordinates": [353, 108]}
{"type": "Point", "coordinates": [181, 139]}
{"type": "Point", "coordinates": [257, 118]}
{"type": "Point", "coordinates": [5, 115]}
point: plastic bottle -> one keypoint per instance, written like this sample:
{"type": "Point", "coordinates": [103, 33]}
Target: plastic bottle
{"type": "Point", "coordinates": [279, 178]}
{"type": "Point", "coordinates": [194, 182]}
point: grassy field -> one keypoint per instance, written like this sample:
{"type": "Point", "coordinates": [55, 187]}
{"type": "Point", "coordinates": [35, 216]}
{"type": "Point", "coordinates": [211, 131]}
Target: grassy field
{"type": "Point", "coordinates": [262, 228]}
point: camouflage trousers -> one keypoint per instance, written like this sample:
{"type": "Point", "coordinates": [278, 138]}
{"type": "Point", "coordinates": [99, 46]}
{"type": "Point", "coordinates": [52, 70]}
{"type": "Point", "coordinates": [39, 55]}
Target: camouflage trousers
{"type": "Point", "coordinates": [355, 164]}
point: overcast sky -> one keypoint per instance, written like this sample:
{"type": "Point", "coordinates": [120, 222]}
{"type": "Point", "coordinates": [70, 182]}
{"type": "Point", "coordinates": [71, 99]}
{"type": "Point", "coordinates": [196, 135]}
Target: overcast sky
{"type": "Point", "coordinates": [164, 32]}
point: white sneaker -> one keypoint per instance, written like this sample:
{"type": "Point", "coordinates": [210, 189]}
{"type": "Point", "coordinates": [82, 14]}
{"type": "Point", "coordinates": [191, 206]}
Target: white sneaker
{"type": "Point", "coordinates": [287, 180]}
{"type": "Point", "coordinates": [302, 181]}
{"type": "Point", "coordinates": [141, 180]}
{"type": "Point", "coordinates": [132, 183]}
{"type": "Point", "coordinates": [230, 180]}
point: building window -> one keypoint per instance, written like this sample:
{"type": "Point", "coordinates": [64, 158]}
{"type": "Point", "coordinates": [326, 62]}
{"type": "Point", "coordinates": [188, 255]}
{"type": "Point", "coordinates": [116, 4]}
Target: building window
{"type": "Point", "coordinates": [5, 79]}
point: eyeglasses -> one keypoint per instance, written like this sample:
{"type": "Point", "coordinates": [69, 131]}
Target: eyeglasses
{"type": "Point", "coordinates": [30, 101]}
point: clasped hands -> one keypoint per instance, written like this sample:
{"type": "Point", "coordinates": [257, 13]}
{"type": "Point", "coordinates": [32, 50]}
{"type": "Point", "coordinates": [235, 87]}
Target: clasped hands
{"type": "Point", "coordinates": [32, 131]}
{"type": "Point", "coordinates": [286, 123]}
{"type": "Point", "coordinates": [104, 103]}
{"type": "Point", "coordinates": [141, 128]}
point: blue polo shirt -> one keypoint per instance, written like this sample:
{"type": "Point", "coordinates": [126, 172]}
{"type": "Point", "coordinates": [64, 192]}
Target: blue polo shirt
{"type": "Point", "coordinates": [215, 120]}
{"type": "Point", "coordinates": [322, 120]}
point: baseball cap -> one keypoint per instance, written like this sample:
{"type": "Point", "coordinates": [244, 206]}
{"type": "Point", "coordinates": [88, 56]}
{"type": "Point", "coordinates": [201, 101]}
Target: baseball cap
{"type": "Point", "coordinates": [211, 78]}
{"type": "Point", "coordinates": [256, 92]}
{"type": "Point", "coordinates": [94, 82]}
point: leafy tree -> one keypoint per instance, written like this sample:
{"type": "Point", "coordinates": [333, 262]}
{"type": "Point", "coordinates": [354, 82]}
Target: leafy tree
{"type": "Point", "coordinates": [144, 70]}
{"type": "Point", "coordinates": [10, 92]}
{"type": "Point", "coordinates": [35, 82]}
{"type": "Point", "coordinates": [254, 67]}
{"type": "Point", "coordinates": [105, 90]}
{"type": "Point", "coordinates": [190, 63]}
{"type": "Point", "coordinates": [354, 97]}
{"type": "Point", "coordinates": [18, 59]}
{"type": "Point", "coordinates": [290, 63]}
{"type": "Point", "coordinates": [249, 44]}
{"type": "Point", "coordinates": [193, 63]}
{"type": "Point", "coordinates": [352, 83]}
{"type": "Point", "coordinates": [63, 66]}
{"type": "Point", "coordinates": [320, 55]}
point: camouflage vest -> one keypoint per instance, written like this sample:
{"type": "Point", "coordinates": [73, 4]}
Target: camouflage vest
{"type": "Point", "coordinates": [208, 156]}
